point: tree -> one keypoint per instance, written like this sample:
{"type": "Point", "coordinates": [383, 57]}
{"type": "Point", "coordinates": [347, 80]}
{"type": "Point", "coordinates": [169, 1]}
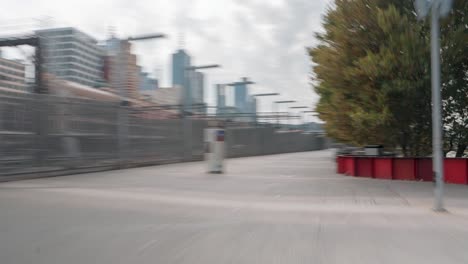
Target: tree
{"type": "Point", "coordinates": [368, 69]}
{"type": "Point", "coordinates": [455, 77]}
{"type": "Point", "coordinates": [372, 71]}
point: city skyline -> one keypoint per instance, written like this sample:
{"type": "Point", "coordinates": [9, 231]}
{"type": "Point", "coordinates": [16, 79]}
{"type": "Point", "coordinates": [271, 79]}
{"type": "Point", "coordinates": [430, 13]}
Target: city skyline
{"type": "Point", "coordinates": [264, 40]}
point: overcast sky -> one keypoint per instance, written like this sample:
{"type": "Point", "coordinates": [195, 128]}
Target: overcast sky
{"type": "Point", "coordinates": [261, 39]}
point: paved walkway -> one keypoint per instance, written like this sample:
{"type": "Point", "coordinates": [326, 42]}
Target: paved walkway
{"type": "Point", "coordinates": [289, 208]}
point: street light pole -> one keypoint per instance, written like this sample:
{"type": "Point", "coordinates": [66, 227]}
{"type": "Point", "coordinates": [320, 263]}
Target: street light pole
{"type": "Point", "coordinates": [438, 8]}
{"type": "Point", "coordinates": [122, 82]}
{"type": "Point", "coordinates": [300, 107]}
{"type": "Point", "coordinates": [187, 105]}
{"type": "Point", "coordinates": [438, 165]}
{"type": "Point", "coordinates": [276, 104]}
{"type": "Point", "coordinates": [261, 95]}
{"type": "Point", "coordinates": [245, 81]}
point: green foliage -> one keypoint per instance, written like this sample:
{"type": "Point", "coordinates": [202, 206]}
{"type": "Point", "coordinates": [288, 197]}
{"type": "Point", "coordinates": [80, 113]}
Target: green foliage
{"type": "Point", "coordinates": [372, 71]}
{"type": "Point", "coordinates": [455, 77]}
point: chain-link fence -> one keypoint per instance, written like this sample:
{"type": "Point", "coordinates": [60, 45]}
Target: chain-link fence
{"type": "Point", "coordinates": [49, 132]}
{"type": "Point", "coordinates": [45, 132]}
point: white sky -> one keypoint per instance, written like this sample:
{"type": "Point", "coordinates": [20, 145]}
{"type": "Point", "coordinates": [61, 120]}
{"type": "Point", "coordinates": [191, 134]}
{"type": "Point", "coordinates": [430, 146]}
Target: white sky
{"type": "Point", "coordinates": [264, 40]}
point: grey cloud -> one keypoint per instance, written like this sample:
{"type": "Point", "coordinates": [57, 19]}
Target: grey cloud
{"type": "Point", "coordinates": [293, 24]}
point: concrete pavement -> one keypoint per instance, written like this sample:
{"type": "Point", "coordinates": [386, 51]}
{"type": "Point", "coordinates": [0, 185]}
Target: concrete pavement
{"type": "Point", "coordinates": [289, 208]}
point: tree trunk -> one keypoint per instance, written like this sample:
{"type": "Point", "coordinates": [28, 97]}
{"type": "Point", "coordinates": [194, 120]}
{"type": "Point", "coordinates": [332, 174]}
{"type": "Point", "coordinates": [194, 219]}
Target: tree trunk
{"type": "Point", "coordinates": [460, 150]}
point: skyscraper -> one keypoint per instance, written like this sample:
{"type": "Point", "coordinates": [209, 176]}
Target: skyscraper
{"type": "Point", "coordinates": [180, 78]}
{"type": "Point", "coordinates": [121, 69]}
{"type": "Point", "coordinates": [146, 82]}
{"type": "Point", "coordinates": [72, 55]}
{"type": "Point", "coordinates": [180, 60]}
{"type": "Point", "coordinates": [240, 96]}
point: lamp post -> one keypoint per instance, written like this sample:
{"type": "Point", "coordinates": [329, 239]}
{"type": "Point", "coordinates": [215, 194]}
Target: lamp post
{"type": "Point", "coordinates": [187, 105]}
{"type": "Point", "coordinates": [245, 81]}
{"type": "Point", "coordinates": [122, 82]}
{"type": "Point", "coordinates": [261, 95]}
{"type": "Point", "coordinates": [438, 8]}
{"type": "Point", "coordinates": [275, 107]}
{"type": "Point", "coordinates": [123, 61]}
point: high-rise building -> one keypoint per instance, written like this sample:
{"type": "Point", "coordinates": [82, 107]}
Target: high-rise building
{"type": "Point", "coordinates": [72, 55]}
{"type": "Point", "coordinates": [12, 75]}
{"type": "Point", "coordinates": [240, 96]}
{"type": "Point", "coordinates": [121, 70]}
{"type": "Point", "coordinates": [147, 83]}
{"type": "Point", "coordinates": [180, 60]}
{"type": "Point", "coordinates": [180, 76]}
{"type": "Point", "coordinates": [165, 95]}
{"type": "Point", "coordinates": [132, 72]}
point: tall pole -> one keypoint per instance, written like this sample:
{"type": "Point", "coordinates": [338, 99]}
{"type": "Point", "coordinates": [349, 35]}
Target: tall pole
{"type": "Point", "coordinates": [255, 112]}
{"type": "Point", "coordinates": [256, 105]}
{"type": "Point", "coordinates": [303, 121]}
{"type": "Point", "coordinates": [186, 121]}
{"type": "Point", "coordinates": [122, 115]}
{"type": "Point", "coordinates": [275, 109]}
{"type": "Point", "coordinates": [188, 106]}
{"type": "Point", "coordinates": [437, 159]}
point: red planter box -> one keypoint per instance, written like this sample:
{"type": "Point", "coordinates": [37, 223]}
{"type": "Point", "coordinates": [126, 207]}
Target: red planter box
{"type": "Point", "coordinates": [383, 168]}
{"type": "Point", "coordinates": [456, 170]}
{"type": "Point", "coordinates": [364, 167]}
{"type": "Point", "coordinates": [425, 169]}
{"type": "Point", "coordinates": [404, 169]}
{"type": "Point", "coordinates": [350, 168]}
{"type": "Point", "coordinates": [340, 165]}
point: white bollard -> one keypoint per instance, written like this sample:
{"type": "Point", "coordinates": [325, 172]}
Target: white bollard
{"type": "Point", "coordinates": [214, 149]}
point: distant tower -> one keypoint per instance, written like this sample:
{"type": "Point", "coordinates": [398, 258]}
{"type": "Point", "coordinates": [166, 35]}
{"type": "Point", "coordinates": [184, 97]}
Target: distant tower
{"type": "Point", "coordinates": [241, 96]}
{"type": "Point", "coordinates": [180, 61]}
{"type": "Point", "coordinates": [181, 41]}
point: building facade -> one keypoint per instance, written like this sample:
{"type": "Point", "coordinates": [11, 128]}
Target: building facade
{"type": "Point", "coordinates": [120, 69]}
{"type": "Point", "coordinates": [12, 75]}
{"type": "Point", "coordinates": [72, 55]}
{"type": "Point", "coordinates": [241, 96]}
{"type": "Point", "coordinates": [181, 77]}
{"type": "Point", "coordinates": [147, 83]}
{"type": "Point", "coordinates": [165, 96]}
{"type": "Point", "coordinates": [180, 60]}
